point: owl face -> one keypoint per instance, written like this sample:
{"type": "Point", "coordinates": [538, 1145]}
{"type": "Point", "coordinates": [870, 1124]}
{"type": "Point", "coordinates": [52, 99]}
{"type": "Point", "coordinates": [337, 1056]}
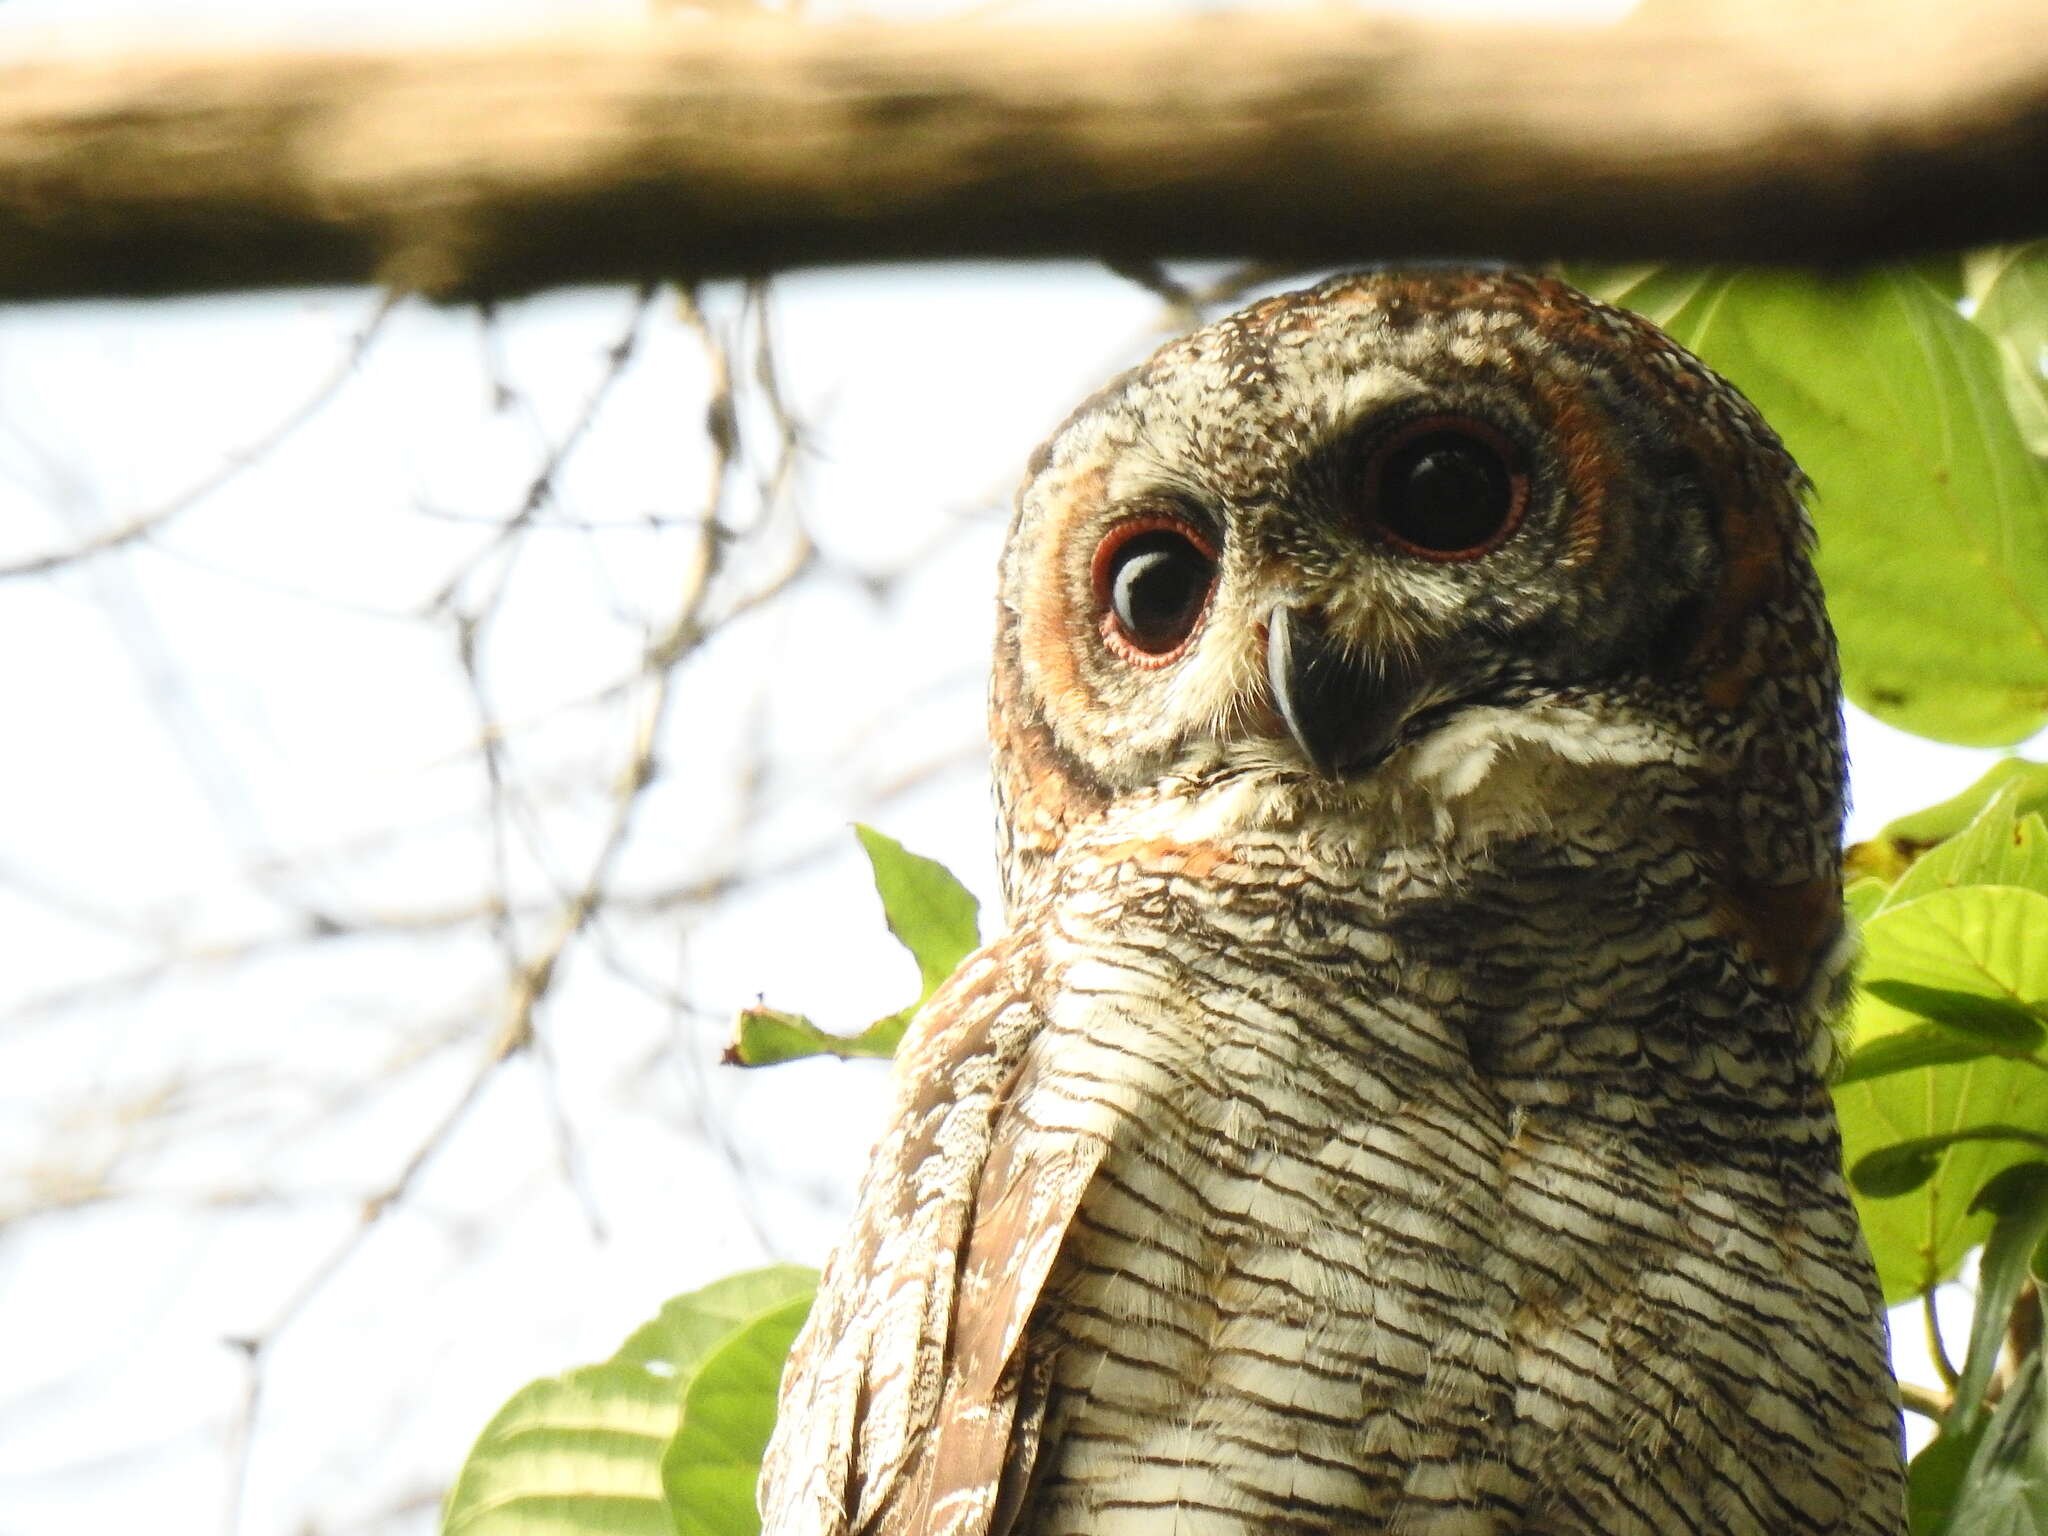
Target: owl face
{"type": "Point", "coordinates": [1310, 535]}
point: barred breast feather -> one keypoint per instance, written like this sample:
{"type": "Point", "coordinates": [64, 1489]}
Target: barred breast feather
{"type": "Point", "coordinates": [1277, 1193]}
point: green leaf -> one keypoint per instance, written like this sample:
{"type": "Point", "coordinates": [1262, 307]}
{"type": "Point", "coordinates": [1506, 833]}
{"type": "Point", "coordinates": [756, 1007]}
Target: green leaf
{"type": "Point", "coordinates": [1862, 896]}
{"type": "Point", "coordinates": [2025, 780]}
{"type": "Point", "coordinates": [1987, 941]}
{"type": "Point", "coordinates": [766, 1036]}
{"type": "Point", "coordinates": [2004, 848]}
{"type": "Point", "coordinates": [714, 1461]}
{"type": "Point", "coordinates": [1987, 835]}
{"type": "Point", "coordinates": [1933, 513]}
{"type": "Point", "coordinates": [931, 913]}
{"type": "Point", "coordinates": [1922, 1045]}
{"type": "Point", "coordinates": [1996, 1023]}
{"type": "Point", "coordinates": [1900, 1168]}
{"type": "Point", "coordinates": [2017, 1199]}
{"type": "Point", "coordinates": [1934, 1481]}
{"type": "Point", "coordinates": [1670, 295]}
{"type": "Point", "coordinates": [1906, 1165]}
{"type": "Point", "coordinates": [580, 1454]}
{"type": "Point", "coordinates": [2000, 848]}
{"type": "Point", "coordinates": [2010, 287]}
{"type": "Point", "coordinates": [2004, 1491]}
{"type": "Point", "coordinates": [1943, 271]}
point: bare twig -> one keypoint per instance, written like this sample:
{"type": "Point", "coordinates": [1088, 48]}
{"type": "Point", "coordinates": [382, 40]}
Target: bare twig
{"type": "Point", "coordinates": [232, 464]}
{"type": "Point", "coordinates": [534, 969]}
{"type": "Point", "coordinates": [1925, 1401]}
{"type": "Point", "coordinates": [540, 489]}
{"type": "Point", "coordinates": [255, 1349]}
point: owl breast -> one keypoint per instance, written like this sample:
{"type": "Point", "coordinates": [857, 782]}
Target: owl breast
{"type": "Point", "coordinates": [1390, 1238]}
{"type": "Point", "coordinates": [1291, 1240]}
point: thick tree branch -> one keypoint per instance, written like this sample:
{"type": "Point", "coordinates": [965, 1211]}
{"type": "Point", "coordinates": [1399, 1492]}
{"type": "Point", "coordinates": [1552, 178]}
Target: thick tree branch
{"type": "Point", "coordinates": [696, 149]}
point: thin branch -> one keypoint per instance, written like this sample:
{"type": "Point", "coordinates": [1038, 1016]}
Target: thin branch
{"type": "Point", "coordinates": [144, 524]}
{"type": "Point", "coordinates": [540, 489]}
{"type": "Point", "coordinates": [701, 890]}
{"type": "Point", "coordinates": [1925, 1401]}
{"type": "Point", "coordinates": [256, 1349]}
{"type": "Point", "coordinates": [1937, 1348]}
{"type": "Point", "coordinates": [532, 972]}
{"type": "Point", "coordinates": [1825, 133]}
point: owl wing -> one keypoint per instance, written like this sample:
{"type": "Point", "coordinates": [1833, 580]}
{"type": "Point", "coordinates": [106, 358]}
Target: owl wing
{"type": "Point", "coordinates": [908, 1407]}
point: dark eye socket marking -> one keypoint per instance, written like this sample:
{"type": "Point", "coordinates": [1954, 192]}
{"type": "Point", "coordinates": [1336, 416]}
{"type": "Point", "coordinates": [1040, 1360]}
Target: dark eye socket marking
{"type": "Point", "coordinates": [1446, 487]}
{"type": "Point", "coordinates": [1153, 575]}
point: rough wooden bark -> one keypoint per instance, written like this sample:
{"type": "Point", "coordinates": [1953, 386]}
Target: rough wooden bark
{"type": "Point", "coordinates": [744, 147]}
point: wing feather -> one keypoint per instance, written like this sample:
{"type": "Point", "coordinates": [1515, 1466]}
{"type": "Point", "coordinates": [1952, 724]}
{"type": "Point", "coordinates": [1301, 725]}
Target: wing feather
{"type": "Point", "coordinates": [985, 1436]}
{"type": "Point", "coordinates": [898, 1413]}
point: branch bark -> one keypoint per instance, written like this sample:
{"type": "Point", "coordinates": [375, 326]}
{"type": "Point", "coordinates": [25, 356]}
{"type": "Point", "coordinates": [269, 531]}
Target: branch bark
{"type": "Point", "coordinates": [699, 150]}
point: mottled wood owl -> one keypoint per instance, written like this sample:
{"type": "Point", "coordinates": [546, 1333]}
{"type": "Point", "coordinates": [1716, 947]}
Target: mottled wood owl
{"type": "Point", "coordinates": [1397, 1102]}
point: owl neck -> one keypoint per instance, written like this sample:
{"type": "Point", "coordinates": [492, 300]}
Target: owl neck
{"type": "Point", "coordinates": [1575, 917]}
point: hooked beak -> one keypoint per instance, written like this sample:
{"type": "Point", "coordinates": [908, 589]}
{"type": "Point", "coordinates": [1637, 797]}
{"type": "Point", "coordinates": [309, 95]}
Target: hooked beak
{"type": "Point", "coordinates": [1341, 711]}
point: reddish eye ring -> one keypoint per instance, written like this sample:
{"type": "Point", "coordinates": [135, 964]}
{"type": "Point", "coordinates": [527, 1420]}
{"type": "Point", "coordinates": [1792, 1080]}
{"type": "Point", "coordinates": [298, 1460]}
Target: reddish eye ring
{"type": "Point", "coordinates": [1446, 488]}
{"type": "Point", "coordinates": [1152, 577]}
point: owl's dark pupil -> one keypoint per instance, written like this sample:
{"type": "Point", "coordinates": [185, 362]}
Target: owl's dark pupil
{"type": "Point", "coordinates": [1445, 492]}
{"type": "Point", "coordinates": [1157, 588]}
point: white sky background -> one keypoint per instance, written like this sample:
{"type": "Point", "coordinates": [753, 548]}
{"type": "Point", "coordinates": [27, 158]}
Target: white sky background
{"type": "Point", "coordinates": [244, 721]}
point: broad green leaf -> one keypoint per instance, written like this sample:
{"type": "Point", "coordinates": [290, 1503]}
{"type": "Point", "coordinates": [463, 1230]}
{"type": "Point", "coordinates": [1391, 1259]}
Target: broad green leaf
{"type": "Point", "coordinates": [2006, 849]}
{"type": "Point", "coordinates": [1944, 272]}
{"type": "Point", "coordinates": [2025, 780]}
{"type": "Point", "coordinates": [1987, 941]}
{"type": "Point", "coordinates": [1900, 1168]}
{"type": "Point", "coordinates": [765, 1036]}
{"type": "Point", "coordinates": [931, 913]}
{"type": "Point", "coordinates": [2000, 848]}
{"type": "Point", "coordinates": [2017, 1199]}
{"type": "Point", "coordinates": [580, 1454]}
{"type": "Point", "coordinates": [714, 1461]}
{"type": "Point", "coordinates": [1906, 1165]}
{"type": "Point", "coordinates": [2010, 286]}
{"type": "Point", "coordinates": [2005, 1490]}
{"type": "Point", "coordinates": [1659, 291]}
{"type": "Point", "coordinates": [1989, 834]}
{"type": "Point", "coordinates": [1934, 1481]}
{"type": "Point", "coordinates": [1981, 941]}
{"type": "Point", "coordinates": [1996, 1023]}
{"type": "Point", "coordinates": [1921, 1045]}
{"type": "Point", "coordinates": [1862, 896]}
{"type": "Point", "coordinates": [1933, 514]}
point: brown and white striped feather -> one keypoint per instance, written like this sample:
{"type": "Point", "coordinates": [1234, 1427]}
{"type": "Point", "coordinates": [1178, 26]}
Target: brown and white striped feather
{"type": "Point", "coordinates": [906, 1381]}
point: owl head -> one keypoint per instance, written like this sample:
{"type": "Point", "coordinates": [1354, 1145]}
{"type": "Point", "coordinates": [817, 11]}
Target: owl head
{"type": "Point", "coordinates": [1394, 533]}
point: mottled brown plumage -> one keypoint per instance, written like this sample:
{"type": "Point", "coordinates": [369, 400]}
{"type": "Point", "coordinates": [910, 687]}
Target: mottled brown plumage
{"type": "Point", "coordinates": [1396, 1104]}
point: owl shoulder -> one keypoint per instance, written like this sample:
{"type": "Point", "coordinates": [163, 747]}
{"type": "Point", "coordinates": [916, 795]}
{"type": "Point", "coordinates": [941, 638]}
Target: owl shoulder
{"type": "Point", "coordinates": [899, 1407]}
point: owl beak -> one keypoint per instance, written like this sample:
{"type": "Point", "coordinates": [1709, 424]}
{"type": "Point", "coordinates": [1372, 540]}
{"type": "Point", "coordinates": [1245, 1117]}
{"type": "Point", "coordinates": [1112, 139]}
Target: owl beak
{"type": "Point", "coordinates": [1341, 710]}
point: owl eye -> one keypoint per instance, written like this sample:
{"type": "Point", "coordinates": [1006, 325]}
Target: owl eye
{"type": "Point", "coordinates": [1447, 488]}
{"type": "Point", "coordinates": [1152, 580]}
